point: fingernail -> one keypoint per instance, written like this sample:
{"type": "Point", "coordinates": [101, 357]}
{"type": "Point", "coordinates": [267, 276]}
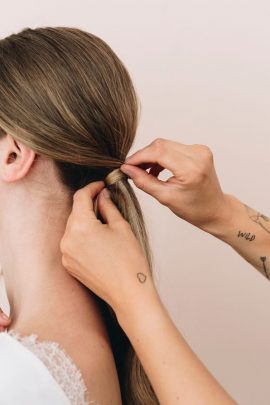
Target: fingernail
{"type": "Point", "coordinates": [106, 193]}
{"type": "Point", "coordinates": [4, 316]}
{"type": "Point", "coordinates": [127, 159]}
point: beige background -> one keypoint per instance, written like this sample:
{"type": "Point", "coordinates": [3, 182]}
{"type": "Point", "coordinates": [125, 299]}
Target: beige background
{"type": "Point", "coordinates": [202, 71]}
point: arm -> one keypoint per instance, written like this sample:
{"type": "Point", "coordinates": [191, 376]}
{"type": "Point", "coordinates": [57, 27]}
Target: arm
{"type": "Point", "coordinates": [247, 231]}
{"type": "Point", "coordinates": [194, 194]}
{"type": "Point", "coordinates": [176, 373]}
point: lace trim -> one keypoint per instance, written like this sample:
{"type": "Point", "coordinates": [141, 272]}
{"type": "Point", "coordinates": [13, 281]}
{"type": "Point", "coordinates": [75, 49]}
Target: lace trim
{"type": "Point", "coordinates": [60, 365]}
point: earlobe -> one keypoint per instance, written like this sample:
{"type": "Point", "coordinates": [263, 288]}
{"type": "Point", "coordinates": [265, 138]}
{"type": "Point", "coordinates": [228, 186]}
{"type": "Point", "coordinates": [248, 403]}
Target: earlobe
{"type": "Point", "coordinates": [17, 160]}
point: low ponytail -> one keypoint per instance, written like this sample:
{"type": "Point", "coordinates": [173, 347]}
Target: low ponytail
{"type": "Point", "coordinates": [125, 199]}
{"type": "Point", "coordinates": [133, 380]}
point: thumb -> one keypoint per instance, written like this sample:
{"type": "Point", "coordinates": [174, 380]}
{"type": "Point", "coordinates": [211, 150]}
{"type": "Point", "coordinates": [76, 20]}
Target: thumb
{"type": "Point", "coordinates": [144, 180]}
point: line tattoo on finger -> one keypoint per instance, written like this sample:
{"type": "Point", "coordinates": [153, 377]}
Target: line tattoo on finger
{"type": "Point", "coordinates": [263, 259]}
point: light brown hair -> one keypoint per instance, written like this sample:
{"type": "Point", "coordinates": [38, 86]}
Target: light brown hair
{"type": "Point", "coordinates": [65, 94]}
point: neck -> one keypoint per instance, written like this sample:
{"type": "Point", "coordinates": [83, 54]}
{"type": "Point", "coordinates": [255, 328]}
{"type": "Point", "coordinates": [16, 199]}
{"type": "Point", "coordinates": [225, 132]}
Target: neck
{"type": "Point", "coordinates": [40, 291]}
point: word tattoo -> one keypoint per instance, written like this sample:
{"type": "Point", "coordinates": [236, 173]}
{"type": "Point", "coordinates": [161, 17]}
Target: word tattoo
{"type": "Point", "coordinates": [141, 277]}
{"type": "Point", "coordinates": [259, 218]}
{"type": "Point", "coordinates": [263, 259]}
{"type": "Point", "coordinates": [246, 235]}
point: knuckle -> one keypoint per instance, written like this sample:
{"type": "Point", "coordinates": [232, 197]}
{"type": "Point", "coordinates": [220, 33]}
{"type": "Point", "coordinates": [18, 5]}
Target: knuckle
{"type": "Point", "coordinates": [204, 151]}
{"type": "Point", "coordinates": [159, 140]}
{"type": "Point", "coordinates": [207, 152]}
{"type": "Point", "coordinates": [77, 195]}
{"type": "Point", "coordinates": [158, 144]}
{"type": "Point", "coordinates": [204, 163]}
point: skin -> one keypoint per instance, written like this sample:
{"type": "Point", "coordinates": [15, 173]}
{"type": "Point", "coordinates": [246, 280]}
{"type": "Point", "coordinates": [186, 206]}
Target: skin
{"type": "Point", "coordinates": [34, 209]}
{"type": "Point", "coordinates": [194, 194]}
{"type": "Point", "coordinates": [125, 283]}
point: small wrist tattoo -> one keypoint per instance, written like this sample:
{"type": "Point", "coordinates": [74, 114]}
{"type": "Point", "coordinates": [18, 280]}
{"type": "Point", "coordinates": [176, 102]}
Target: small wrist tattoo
{"type": "Point", "coordinates": [246, 235]}
{"type": "Point", "coordinates": [141, 277]}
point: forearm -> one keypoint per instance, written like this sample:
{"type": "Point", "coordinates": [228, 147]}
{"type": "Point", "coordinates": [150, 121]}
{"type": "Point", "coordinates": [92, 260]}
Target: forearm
{"type": "Point", "coordinates": [247, 231]}
{"type": "Point", "coordinates": [176, 373]}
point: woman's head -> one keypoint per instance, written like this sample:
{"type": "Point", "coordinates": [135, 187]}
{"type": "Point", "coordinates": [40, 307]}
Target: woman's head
{"type": "Point", "coordinates": [67, 97]}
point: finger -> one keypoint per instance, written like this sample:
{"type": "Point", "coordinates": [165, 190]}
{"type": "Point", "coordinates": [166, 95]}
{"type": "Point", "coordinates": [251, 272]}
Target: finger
{"type": "Point", "coordinates": [83, 198]}
{"type": "Point", "coordinates": [4, 319]}
{"type": "Point", "coordinates": [145, 181]}
{"type": "Point", "coordinates": [166, 153]}
{"type": "Point", "coordinates": [108, 210]}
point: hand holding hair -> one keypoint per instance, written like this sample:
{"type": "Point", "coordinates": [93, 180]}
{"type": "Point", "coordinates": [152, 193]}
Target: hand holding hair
{"type": "Point", "coordinates": [194, 194]}
{"type": "Point", "coordinates": [109, 260]}
{"type": "Point", "coordinates": [106, 257]}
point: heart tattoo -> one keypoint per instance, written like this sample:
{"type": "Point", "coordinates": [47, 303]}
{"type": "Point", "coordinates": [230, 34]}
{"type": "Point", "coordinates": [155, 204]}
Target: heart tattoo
{"type": "Point", "coordinates": [141, 277]}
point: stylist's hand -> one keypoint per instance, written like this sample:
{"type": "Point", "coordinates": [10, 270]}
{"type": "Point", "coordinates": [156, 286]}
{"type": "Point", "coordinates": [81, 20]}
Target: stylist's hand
{"type": "Point", "coordinates": [105, 257]}
{"type": "Point", "coordinates": [4, 321]}
{"type": "Point", "coordinates": [193, 192]}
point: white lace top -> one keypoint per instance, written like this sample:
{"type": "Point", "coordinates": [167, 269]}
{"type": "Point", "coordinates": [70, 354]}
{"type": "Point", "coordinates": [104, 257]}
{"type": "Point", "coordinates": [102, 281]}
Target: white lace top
{"type": "Point", "coordinates": [60, 365]}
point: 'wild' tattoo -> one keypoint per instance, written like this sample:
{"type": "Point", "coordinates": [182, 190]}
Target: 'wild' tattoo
{"type": "Point", "coordinates": [259, 218]}
{"type": "Point", "coordinates": [246, 235]}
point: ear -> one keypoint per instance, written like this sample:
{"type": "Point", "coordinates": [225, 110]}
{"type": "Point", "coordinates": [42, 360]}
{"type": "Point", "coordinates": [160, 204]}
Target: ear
{"type": "Point", "coordinates": [16, 159]}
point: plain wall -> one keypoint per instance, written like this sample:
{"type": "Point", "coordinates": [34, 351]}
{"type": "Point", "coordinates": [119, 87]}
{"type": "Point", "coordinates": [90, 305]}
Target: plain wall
{"type": "Point", "coordinates": [202, 72]}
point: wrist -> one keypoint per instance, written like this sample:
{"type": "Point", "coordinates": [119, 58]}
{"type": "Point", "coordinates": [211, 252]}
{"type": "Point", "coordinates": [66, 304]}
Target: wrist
{"type": "Point", "coordinates": [137, 302]}
{"type": "Point", "coordinates": [224, 222]}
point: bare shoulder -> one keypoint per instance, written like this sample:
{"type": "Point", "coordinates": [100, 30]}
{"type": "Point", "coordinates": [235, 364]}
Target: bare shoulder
{"type": "Point", "coordinates": [85, 340]}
